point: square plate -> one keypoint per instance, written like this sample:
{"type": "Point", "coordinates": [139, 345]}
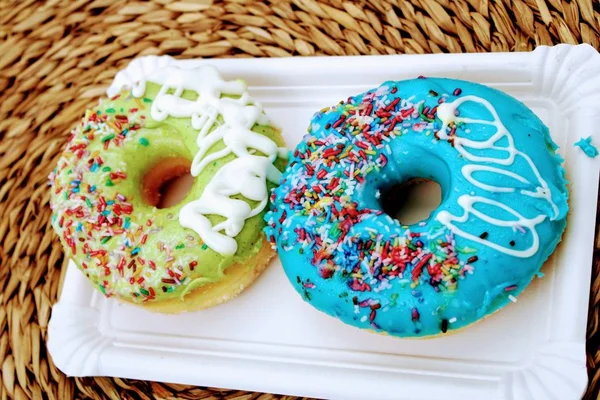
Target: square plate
{"type": "Point", "coordinates": [268, 339]}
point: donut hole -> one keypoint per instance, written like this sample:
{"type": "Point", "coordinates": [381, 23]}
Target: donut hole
{"type": "Point", "coordinates": [167, 183]}
{"type": "Point", "coordinates": [411, 201]}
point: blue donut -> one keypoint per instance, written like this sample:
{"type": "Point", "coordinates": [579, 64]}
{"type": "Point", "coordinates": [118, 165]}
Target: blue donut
{"type": "Point", "coordinates": [503, 209]}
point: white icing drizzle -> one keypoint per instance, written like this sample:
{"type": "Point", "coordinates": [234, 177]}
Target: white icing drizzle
{"type": "Point", "coordinates": [134, 76]}
{"type": "Point", "coordinates": [447, 114]}
{"type": "Point", "coordinates": [246, 175]}
{"type": "Point", "coordinates": [469, 170]}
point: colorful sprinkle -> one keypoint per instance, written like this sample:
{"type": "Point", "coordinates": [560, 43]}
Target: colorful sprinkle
{"type": "Point", "coordinates": [444, 326]}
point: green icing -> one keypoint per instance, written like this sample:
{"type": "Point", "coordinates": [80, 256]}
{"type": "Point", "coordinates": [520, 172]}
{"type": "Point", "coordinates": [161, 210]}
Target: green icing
{"type": "Point", "coordinates": [135, 144]}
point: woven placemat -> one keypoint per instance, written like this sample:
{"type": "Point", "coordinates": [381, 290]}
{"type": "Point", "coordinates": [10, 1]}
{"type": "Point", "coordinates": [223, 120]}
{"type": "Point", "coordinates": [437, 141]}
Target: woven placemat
{"type": "Point", "coordinates": [57, 57]}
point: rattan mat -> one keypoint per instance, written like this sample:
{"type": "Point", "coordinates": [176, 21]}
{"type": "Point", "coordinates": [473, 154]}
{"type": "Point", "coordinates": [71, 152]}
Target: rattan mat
{"type": "Point", "coordinates": [57, 57]}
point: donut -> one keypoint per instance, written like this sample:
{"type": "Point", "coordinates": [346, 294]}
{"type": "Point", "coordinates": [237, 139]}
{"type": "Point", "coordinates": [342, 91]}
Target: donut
{"type": "Point", "coordinates": [502, 213]}
{"type": "Point", "coordinates": [159, 123]}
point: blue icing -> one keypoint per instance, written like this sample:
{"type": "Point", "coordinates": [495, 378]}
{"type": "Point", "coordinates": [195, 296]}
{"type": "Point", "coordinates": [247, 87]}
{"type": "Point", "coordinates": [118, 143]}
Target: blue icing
{"type": "Point", "coordinates": [588, 148]}
{"type": "Point", "coordinates": [495, 226]}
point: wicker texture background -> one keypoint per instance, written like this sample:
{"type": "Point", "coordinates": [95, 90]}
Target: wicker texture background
{"type": "Point", "coordinates": [57, 57]}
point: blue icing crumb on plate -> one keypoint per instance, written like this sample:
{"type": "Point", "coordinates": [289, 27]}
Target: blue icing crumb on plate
{"type": "Point", "coordinates": [588, 148]}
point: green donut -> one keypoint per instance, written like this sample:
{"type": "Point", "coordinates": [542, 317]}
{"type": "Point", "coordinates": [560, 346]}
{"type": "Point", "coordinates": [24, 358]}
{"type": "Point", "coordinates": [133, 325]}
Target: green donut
{"type": "Point", "coordinates": [128, 248]}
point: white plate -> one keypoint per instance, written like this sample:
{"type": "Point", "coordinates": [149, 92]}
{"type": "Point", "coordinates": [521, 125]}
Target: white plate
{"type": "Point", "coordinates": [269, 340]}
